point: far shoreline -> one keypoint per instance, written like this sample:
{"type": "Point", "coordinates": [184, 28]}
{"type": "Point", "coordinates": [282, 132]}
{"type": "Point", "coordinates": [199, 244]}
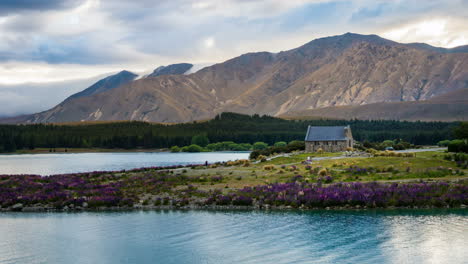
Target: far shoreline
{"type": "Point", "coordinates": [81, 150]}
{"type": "Point", "coordinates": [100, 150]}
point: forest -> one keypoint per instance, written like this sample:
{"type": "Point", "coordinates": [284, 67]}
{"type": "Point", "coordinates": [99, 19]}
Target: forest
{"type": "Point", "coordinates": [224, 127]}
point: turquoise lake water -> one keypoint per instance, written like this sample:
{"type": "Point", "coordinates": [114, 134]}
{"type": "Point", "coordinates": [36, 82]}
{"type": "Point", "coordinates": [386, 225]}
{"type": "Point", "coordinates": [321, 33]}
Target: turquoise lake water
{"type": "Point", "coordinates": [385, 236]}
{"type": "Point", "coordinates": [47, 164]}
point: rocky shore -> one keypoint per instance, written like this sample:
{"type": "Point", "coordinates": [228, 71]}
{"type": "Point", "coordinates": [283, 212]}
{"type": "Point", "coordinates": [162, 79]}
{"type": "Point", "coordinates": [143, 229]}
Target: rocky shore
{"type": "Point", "coordinates": [50, 208]}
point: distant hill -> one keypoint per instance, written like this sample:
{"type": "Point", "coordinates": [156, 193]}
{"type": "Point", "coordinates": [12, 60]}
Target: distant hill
{"type": "Point", "coordinates": [452, 106]}
{"type": "Point", "coordinates": [371, 76]}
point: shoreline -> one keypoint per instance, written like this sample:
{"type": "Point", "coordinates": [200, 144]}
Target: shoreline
{"type": "Point", "coordinates": [284, 183]}
{"type": "Point", "coordinates": [84, 151]}
{"type": "Point", "coordinates": [223, 208]}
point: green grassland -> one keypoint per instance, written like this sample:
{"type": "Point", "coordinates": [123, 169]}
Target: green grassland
{"type": "Point", "coordinates": [429, 165]}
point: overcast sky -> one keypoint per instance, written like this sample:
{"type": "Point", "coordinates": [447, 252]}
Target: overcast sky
{"type": "Point", "coordinates": [50, 49]}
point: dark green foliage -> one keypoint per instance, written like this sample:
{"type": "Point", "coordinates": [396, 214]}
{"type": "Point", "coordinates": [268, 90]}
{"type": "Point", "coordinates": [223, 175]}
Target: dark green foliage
{"type": "Point", "coordinates": [280, 144]}
{"type": "Point", "coordinates": [200, 140]}
{"type": "Point", "coordinates": [229, 145]}
{"type": "Point", "coordinates": [260, 145]}
{"type": "Point", "coordinates": [292, 146]}
{"type": "Point", "coordinates": [461, 131]}
{"type": "Point", "coordinates": [175, 149]}
{"type": "Point", "coordinates": [443, 143]}
{"type": "Point", "coordinates": [458, 145]}
{"type": "Point", "coordinates": [192, 148]}
{"type": "Point", "coordinates": [395, 144]}
{"type": "Point", "coordinates": [461, 143]}
{"type": "Point", "coordinates": [225, 127]}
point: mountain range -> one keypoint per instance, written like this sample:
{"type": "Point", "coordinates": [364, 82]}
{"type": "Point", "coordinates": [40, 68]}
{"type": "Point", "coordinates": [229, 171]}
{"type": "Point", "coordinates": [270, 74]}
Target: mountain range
{"type": "Point", "coordinates": [346, 76]}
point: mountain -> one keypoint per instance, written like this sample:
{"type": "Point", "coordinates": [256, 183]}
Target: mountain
{"type": "Point", "coordinates": [452, 106]}
{"type": "Point", "coordinates": [460, 49]}
{"type": "Point", "coordinates": [345, 70]}
{"type": "Point", "coordinates": [106, 84]}
{"type": "Point", "coordinates": [179, 68]}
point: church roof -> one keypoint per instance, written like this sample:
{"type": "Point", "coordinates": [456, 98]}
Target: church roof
{"type": "Point", "coordinates": [325, 133]}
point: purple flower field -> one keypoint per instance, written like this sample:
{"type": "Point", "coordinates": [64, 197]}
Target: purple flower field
{"type": "Point", "coordinates": [372, 194]}
{"type": "Point", "coordinates": [161, 186]}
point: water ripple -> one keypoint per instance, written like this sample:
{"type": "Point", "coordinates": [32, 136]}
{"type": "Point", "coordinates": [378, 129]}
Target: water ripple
{"type": "Point", "coordinates": [235, 237]}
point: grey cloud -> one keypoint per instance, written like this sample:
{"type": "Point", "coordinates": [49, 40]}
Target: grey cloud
{"type": "Point", "coordinates": [176, 28]}
{"type": "Point", "coordinates": [14, 6]}
{"type": "Point", "coordinates": [36, 97]}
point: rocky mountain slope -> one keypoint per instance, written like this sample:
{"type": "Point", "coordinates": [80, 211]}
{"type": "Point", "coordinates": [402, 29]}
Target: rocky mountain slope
{"type": "Point", "coordinates": [346, 70]}
{"type": "Point", "coordinates": [106, 84]}
{"type": "Point", "coordinates": [179, 68]}
{"type": "Point", "coordinates": [452, 106]}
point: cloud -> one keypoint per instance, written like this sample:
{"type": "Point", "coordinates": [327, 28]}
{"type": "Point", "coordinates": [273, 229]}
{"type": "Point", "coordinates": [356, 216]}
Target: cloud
{"type": "Point", "coordinates": [125, 31]}
{"type": "Point", "coordinates": [442, 32]}
{"type": "Point", "coordinates": [10, 6]}
{"type": "Point", "coordinates": [54, 41]}
{"type": "Point", "coordinates": [17, 99]}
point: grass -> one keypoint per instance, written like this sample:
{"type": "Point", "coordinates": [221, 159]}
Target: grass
{"type": "Point", "coordinates": [426, 165]}
{"type": "Point", "coordinates": [232, 180]}
{"type": "Point", "coordinates": [298, 158]}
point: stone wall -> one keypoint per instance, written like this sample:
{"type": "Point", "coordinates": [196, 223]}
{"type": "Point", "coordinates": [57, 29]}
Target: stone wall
{"type": "Point", "coordinates": [326, 146]}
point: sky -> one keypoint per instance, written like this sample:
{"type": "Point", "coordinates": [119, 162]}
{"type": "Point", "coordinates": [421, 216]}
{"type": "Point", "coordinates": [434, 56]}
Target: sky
{"type": "Point", "coordinates": [50, 49]}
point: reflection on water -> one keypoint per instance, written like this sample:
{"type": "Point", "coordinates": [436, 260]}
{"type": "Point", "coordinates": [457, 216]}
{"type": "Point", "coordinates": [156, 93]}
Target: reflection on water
{"type": "Point", "coordinates": [47, 164]}
{"type": "Point", "coordinates": [409, 236]}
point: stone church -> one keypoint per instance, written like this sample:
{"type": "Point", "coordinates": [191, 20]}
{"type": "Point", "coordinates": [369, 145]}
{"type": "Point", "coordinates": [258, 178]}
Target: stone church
{"type": "Point", "coordinates": [328, 138]}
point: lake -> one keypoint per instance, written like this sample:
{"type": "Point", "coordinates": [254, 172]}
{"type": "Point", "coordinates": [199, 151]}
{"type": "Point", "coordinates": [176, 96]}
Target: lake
{"type": "Point", "coordinates": [374, 236]}
{"type": "Point", "coordinates": [47, 164]}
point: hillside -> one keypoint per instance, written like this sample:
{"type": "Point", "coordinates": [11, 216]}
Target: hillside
{"type": "Point", "coordinates": [349, 70]}
{"type": "Point", "coordinates": [452, 106]}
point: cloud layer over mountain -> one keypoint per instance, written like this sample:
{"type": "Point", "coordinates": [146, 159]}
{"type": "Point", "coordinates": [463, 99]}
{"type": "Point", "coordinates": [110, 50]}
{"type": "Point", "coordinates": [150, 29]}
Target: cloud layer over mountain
{"type": "Point", "coordinates": [50, 41]}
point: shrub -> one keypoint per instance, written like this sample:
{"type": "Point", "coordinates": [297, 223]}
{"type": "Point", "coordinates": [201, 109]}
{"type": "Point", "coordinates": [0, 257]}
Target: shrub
{"type": "Point", "coordinates": [292, 146]}
{"type": "Point", "coordinates": [262, 158]}
{"type": "Point", "coordinates": [296, 145]}
{"type": "Point", "coordinates": [192, 148]}
{"type": "Point", "coordinates": [260, 145]}
{"type": "Point", "coordinates": [175, 149]}
{"type": "Point", "coordinates": [320, 150]}
{"type": "Point", "coordinates": [280, 144]}
{"type": "Point", "coordinates": [200, 140]}
{"type": "Point", "coordinates": [443, 143]}
{"type": "Point", "coordinates": [458, 145]}
{"type": "Point", "coordinates": [322, 172]}
{"type": "Point", "coordinates": [269, 167]}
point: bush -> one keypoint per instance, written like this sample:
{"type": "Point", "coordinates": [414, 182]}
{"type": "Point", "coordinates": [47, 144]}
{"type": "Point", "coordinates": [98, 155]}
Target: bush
{"type": "Point", "coordinates": [292, 146]}
{"type": "Point", "coordinates": [175, 149]}
{"type": "Point", "coordinates": [458, 145]}
{"type": "Point", "coordinates": [443, 143]}
{"type": "Point", "coordinates": [192, 148]}
{"type": "Point", "coordinates": [280, 144]}
{"type": "Point", "coordinates": [322, 172]}
{"type": "Point", "coordinates": [260, 145]}
{"type": "Point", "coordinates": [200, 140]}
{"type": "Point", "coordinates": [296, 145]}
{"type": "Point", "coordinates": [461, 131]}
{"type": "Point", "coordinates": [395, 144]}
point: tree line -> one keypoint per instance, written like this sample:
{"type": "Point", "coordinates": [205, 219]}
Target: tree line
{"type": "Point", "coordinates": [224, 127]}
